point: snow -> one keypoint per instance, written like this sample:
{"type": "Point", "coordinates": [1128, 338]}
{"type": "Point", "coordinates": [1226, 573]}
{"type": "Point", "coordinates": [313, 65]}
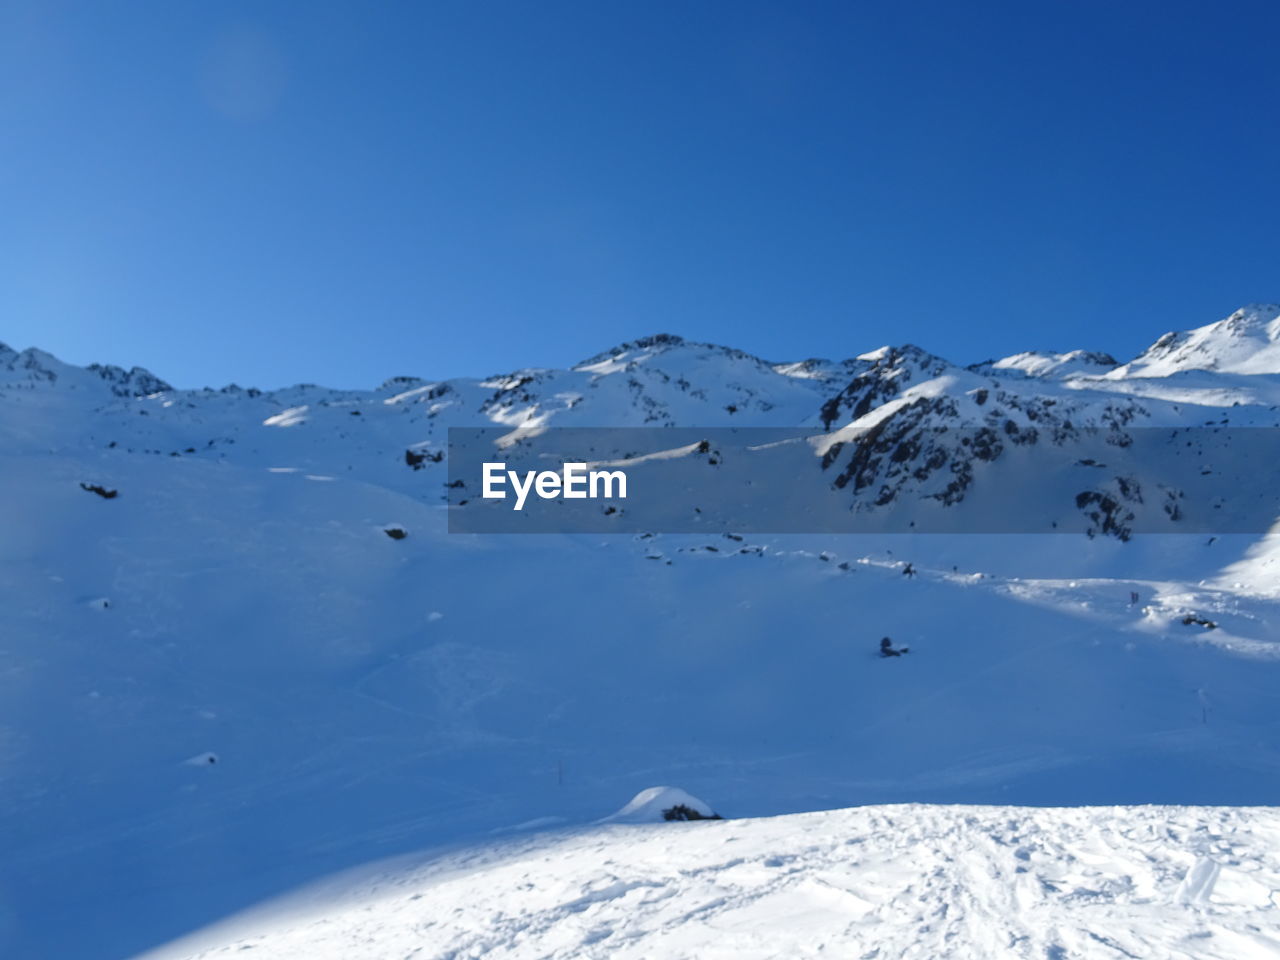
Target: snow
{"type": "Point", "coordinates": [1055, 365]}
{"type": "Point", "coordinates": [1197, 886]}
{"type": "Point", "coordinates": [913, 882]}
{"type": "Point", "coordinates": [1246, 342]}
{"type": "Point", "coordinates": [648, 805]}
{"type": "Point", "coordinates": [365, 697]}
{"type": "Point", "coordinates": [287, 418]}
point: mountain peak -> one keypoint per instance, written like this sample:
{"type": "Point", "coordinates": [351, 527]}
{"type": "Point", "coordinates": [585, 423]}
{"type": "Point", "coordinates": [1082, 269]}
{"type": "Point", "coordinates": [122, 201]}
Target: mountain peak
{"type": "Point", "coordinates": [654, 343]}
{"type": "Point", "coordinates": [633, 351]}
{"type": "Point", "coordinates": [656, 340]}
{"type": "Point", "coordinates": [37, 367]}
{"type": "Point", "coordinates": [1248, 341]}
{"type": "Point", "coordinates": [1049, 365]}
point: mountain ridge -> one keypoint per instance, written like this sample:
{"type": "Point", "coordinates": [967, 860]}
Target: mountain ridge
{"type": "Point", "coordinates": [1176, 350]}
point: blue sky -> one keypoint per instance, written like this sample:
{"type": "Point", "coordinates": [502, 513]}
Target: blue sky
{"type": "Point", "coordinates": [337, 193]}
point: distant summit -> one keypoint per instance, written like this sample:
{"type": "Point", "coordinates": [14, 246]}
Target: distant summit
{"type": "Point", "coordinates": [1248, 341]}
{"type": "Point", "coordinates": [35, 367]}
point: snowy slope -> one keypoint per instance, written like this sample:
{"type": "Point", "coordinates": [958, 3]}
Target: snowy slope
{"type": "Point", "coordinates": [359, 696]}
{"type": "Point", "coordinates": [1246, 342]}
{"type": "Point", "coordinates": [910, 882]}
{"type": "Point", "coordinates": [1037, 363]}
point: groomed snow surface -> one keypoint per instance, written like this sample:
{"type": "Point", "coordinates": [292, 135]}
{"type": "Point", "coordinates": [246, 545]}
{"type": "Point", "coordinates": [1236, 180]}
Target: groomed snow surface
{"type": "Point", "coordinates": [904, 881]}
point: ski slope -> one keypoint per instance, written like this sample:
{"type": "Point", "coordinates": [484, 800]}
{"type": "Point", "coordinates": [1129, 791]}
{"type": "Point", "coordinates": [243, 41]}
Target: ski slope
{"type": "Point", "coordinates": [909, 882]}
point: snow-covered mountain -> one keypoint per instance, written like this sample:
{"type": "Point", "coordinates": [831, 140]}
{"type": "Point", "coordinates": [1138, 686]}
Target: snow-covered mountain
{"type": "Point", "coordinates": [221, 678]}
{"type": "Point", "coordinates": [1246, 342]}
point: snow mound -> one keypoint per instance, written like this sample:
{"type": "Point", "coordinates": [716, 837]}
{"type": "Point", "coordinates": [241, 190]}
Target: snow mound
{"type": "Point", "coordinates": [651, 805]}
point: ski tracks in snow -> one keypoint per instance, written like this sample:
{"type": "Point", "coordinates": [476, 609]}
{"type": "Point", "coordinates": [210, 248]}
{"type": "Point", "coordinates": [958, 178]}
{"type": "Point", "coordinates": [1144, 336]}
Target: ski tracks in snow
{"type": "Point", "coordinates": [875, 883]}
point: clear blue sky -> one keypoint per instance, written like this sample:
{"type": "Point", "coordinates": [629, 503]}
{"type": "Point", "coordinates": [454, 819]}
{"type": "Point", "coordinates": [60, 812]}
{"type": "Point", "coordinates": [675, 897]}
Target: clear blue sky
{"type": "Point", "coordinates": [274, 192]}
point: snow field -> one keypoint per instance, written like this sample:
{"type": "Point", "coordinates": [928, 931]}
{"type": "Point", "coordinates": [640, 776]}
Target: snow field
{"type": "Point", "coordinates": [908, 881]}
